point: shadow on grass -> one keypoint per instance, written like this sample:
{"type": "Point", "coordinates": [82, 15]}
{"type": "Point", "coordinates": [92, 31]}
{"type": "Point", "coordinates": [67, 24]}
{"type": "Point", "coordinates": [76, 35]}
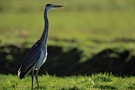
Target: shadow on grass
{"type": "Point", "coordinates": [40, 88]}
{"type": "Point", "coordinates": [105, 87]}
{"type": "Point", "coordinates": [61, 63]}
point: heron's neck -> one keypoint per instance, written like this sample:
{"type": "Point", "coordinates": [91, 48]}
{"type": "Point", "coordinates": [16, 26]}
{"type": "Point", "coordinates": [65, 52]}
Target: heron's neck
{"type": "Point", "coordinates": [45, 31]}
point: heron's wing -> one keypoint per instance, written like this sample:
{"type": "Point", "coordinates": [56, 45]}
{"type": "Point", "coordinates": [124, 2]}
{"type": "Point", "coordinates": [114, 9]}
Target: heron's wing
{"type": "Point", "coordinates": [31, 57]}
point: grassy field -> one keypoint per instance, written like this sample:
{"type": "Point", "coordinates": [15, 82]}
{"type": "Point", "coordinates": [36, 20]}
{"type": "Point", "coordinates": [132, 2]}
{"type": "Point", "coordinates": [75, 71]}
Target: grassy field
{"type": "Point", "coordinates": [94, 82]}
{"type": "Point", "coordinates": [88, 25]}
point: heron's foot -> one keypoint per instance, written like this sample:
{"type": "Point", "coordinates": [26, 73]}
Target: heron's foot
{"type": "Point", "coordinates": [32, 88]}
{"type": "Point", "coordinates": [38, 86]}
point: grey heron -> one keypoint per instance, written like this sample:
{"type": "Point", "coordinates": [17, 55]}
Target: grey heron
{"type": "Point", "coordinates": [37, 54]}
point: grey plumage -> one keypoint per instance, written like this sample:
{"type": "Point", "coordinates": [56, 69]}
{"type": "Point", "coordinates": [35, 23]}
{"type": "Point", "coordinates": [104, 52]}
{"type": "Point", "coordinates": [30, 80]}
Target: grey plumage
{"type": "Point", "coordinates": [37, 54]}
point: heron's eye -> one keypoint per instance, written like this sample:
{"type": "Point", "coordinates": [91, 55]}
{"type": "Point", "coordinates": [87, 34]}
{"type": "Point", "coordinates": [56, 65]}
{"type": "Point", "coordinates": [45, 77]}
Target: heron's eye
{"type": "Point", "coordinates": [49, 5]}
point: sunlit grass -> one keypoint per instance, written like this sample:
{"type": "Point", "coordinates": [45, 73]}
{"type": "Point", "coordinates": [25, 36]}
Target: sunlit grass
{"type": "Point", "coordinates": [94, 82]}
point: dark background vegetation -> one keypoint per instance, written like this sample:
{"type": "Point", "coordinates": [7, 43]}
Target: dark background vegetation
{"type": "Point", "coordinates": [60, 63]}
{"type": "Point", "coordinates": [85, 37]}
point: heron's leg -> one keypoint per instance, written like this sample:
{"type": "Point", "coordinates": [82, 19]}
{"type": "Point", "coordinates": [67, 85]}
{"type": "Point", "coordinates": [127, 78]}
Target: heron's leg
{"type": "Point", "coordinates": [32, 79]}
{"type": "Point", "coordinates": [37, 78]}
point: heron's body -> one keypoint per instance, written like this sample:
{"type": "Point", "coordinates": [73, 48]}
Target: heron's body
{"type": "Point", "coordinates": [33, 60]}
{"type": "Point", "coordinates": [37, 54]}
{"type": "Point", "coordinates": [42, 59]}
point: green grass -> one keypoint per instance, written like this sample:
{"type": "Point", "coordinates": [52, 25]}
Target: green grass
{"type": "Point", "coordinates": [93, 25]}
{"type": "Point", "coordinates": [94, 82]}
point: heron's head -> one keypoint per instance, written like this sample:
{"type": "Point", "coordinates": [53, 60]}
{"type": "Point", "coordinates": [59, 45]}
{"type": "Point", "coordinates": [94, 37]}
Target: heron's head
{"type": "Point", "coordinates": [51, 6]}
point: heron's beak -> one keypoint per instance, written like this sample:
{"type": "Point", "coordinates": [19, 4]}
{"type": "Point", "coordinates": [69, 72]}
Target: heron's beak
{"type": "Point", "coordinates": [57, 6]}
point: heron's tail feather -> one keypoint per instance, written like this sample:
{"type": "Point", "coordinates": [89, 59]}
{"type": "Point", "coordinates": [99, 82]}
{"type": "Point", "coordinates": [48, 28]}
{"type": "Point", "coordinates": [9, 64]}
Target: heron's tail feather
{"type": "Point", "coordinates": [21, 74]}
